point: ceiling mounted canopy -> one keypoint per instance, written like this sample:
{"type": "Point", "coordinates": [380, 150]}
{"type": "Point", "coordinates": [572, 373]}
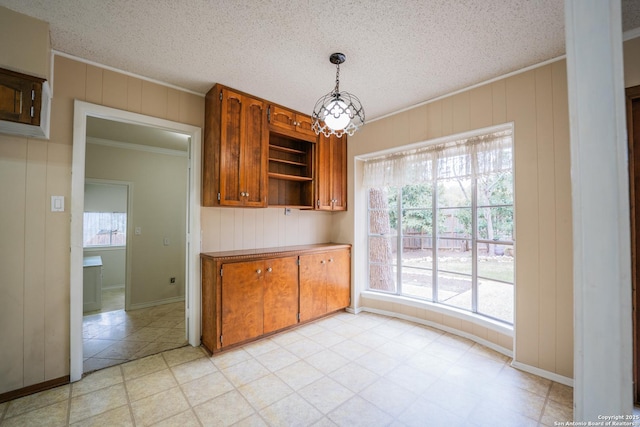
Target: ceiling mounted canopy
{"type": "Point", "coordinates": [337, 112]}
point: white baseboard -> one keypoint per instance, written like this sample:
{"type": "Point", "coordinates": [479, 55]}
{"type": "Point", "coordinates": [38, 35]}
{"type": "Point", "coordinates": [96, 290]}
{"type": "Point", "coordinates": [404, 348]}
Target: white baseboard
{"type": "Point", "coordinates": [112, 287]}
{"type": "Point", "coordinates": [542, 373]}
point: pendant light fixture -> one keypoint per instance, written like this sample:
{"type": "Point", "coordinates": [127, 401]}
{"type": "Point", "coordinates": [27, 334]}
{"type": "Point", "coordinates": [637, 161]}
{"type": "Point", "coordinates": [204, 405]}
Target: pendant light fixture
{"type": "Point", "coordinates": [337, 112]}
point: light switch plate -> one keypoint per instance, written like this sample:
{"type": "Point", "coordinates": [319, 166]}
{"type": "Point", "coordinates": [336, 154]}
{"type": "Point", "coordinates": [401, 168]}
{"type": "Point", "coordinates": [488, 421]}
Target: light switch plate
{"type": "Point", "coordinates": [57, 203]}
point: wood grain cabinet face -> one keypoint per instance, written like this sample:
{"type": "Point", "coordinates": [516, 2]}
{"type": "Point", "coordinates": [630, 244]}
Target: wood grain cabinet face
{"type": "Point", "coordinates": [235, 150]}
{"type": "Point", "coordinates": [20, 97]}
{"type": "Point", "coordinates": [242, 302]}
{"type": "Point", "coordinates": [325, 283]}
{"type": "Point", "coordinates": [331, 173]}
{"type": "Point", "coordinates": [338, 280]}
{"type": "Point", "coordinates": [280, 293]}
{"type": "Point", "coordinates": [258, 297]}
{"type": "Point", "coordinates": [284, 119]}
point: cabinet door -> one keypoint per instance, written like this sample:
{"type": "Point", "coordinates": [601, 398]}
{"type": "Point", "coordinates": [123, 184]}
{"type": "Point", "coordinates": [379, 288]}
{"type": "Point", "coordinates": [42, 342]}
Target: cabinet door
{"type": "Point", "coordinates": [244, 153]}
{"type": "Point", "coordinates": [19, 98]}
{"type": "Point", "coordinates": [242, 301]}
{"type": "Point", "coordinates": [323, 173]}
{"type": "Point", "coordinates": [304, 125]}
{"type": "Point", "coordinates": [338, 280]}
{"type": "Point", "coordinates": [282, 118]}
{"type": "Point", "coordinates": [231, 161]}
{"type": "Point", "coordinates": [331, 177]}
{"type": "Point", "coordinates": [339, 173]}
{"type": "Point", "coordinates": [313, 290]}
{"type": "Point", "coordinates": [280, 293]}
{"type": "Point", "coordinates": [255, 155]}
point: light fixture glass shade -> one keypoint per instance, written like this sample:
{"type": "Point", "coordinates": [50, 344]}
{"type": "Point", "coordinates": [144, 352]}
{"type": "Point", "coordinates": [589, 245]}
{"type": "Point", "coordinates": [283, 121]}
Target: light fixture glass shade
{"type": "Point", "coordinates": [337, 112]}
{"type": "Point", "coordinates": [337, 115]}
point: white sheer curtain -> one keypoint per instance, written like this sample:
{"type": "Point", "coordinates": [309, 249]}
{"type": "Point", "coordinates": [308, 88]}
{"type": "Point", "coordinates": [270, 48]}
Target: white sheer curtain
{"type": "Point", "coordinates": [483, 154]}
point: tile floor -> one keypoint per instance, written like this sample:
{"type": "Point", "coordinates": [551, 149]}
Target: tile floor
{"type": "Point", "coordinates": [345, 370]}
{"type": "Point", "coordinates": [112, 300]}
{"type": "Point", "coordinates": [114, 337]}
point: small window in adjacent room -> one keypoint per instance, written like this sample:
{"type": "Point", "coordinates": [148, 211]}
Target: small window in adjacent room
{"type": "Point", "coordinates": [441, 223]}
{"type": "Point", "coordinates": [105, 229]}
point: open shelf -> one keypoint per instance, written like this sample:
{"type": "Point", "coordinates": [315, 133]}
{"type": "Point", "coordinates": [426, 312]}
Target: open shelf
{"type": "Point", "coordinates": [289, 177]}
{"type": "Point", "coordinates": [286, 149]}
{"type": "Point", "coordinates": [288, 162]}
{"type": "Point", "coordinates": [290, 172]}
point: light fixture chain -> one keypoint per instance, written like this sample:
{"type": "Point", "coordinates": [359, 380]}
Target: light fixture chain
{"type": "Point", "coordinates": [337, 89]}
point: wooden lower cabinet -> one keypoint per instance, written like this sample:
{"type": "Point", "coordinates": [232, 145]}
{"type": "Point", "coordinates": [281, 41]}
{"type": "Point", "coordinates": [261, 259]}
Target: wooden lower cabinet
{"type": "Point", "coordinates": [325, 280]}
{"type": "Point", "coordinates": [242, 302]}
{"type": "Point", "coordinates": [248, 294]}
{"type": "Point", "coordinates": [280, 308]}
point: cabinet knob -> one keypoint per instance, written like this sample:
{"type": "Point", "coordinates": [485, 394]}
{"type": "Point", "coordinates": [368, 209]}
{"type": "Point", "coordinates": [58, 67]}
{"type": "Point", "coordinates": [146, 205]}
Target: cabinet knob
{"type": "Point", "coordinates": [269, 269]}
{"type": "Point", "coordinates": [246, 194]}
{"type": "Point", "coordinates": [322, 262]}
{"type": "Point", "coordinates": [330, 259]}
{"type": "Point", "coordinates": [258, 271]}
{"type": "Point", "coordinates": [242, 194]}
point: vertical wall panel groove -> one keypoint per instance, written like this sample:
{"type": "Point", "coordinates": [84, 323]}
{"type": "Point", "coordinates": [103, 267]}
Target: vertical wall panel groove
{"type": "Point", "coordinates": [546, 217]}
{"type": "Point", "coordinates": [35, 256]}
{"type": "Point", "coordinates": [13, 158]}
{"type": "Point", "coordinates": [520, 98]}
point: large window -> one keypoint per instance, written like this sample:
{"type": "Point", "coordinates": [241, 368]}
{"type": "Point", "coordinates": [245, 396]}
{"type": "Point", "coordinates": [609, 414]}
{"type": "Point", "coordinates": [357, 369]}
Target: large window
{"type": "Point", "coordinates": [441, 224]}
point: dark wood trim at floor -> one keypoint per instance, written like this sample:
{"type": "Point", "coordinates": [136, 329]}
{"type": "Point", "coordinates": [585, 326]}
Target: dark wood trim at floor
{"type": "Point", "coordinates": [35, 388]}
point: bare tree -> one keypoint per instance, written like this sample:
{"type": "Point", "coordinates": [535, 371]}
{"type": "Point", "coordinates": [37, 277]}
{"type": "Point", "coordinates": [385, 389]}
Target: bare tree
{"type": "Point", "coordinates": [381, 275]}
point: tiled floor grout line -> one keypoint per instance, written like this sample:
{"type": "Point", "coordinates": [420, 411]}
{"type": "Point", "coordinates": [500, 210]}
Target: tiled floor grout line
{"type": "Point", "coordinates": [126, 391]}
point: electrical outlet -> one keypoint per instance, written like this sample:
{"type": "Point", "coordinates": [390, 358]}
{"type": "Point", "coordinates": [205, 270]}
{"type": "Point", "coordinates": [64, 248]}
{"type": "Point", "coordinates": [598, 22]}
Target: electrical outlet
{"type": "Point", "coordinates": [287, 211]}
{"type": "Point", "coordinates": [172, 280]}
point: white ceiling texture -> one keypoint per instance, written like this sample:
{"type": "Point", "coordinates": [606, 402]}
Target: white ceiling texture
{"type": "Point", "coordinates": [399, 52]}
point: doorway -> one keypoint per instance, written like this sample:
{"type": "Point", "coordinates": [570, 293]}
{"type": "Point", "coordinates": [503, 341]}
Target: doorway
{"type": "Point", "coordinates": [633, 135]}
{"type": "Point", "coordinates": [84, 113]}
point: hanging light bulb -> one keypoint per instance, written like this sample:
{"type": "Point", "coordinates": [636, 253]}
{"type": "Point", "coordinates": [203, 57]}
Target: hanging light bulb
{"type": "Point", "coordinates": [337, 112]}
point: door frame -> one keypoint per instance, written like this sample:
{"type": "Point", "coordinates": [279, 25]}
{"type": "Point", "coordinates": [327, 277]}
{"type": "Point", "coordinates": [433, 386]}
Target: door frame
{"type": "Point", "coordinates": [82, 110]}
{"type": "Point", "coordinates": [632, 94]}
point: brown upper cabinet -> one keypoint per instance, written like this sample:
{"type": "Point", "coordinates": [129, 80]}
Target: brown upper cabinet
{"type": "Point", "coordinates": [20, 97]}
{"type": "Point", "coordinates": [259, 154]}
{"type": "Point", "coordinates": [291, 123]}
{"type": "Point", "coordinates": [235, 152]}
{"type": "Point", "coordinates": [331, 173]}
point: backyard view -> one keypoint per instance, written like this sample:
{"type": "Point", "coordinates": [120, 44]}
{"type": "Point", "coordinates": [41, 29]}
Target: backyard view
{"type": "Point", "coordinates": [456, 243]}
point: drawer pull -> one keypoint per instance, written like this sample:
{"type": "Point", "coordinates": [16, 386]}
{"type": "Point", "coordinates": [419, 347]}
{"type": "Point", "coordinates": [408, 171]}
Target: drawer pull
{"type": "Point", "coordinates": [258, 271]}
{"type": "Point", "coordinates": [269, 269]}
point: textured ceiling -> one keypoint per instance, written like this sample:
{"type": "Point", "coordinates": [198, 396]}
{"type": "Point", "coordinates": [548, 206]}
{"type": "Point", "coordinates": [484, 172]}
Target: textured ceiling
{"type": "Point", "coordinates": [399, 53]}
